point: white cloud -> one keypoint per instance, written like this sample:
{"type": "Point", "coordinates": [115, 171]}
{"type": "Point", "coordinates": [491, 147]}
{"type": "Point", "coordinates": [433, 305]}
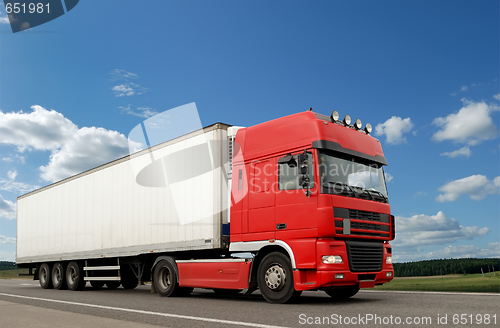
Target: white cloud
{"type": "Point", "coordinates": [41, 129]}
{"type": "Point", "coordinates": [471, 125]}
{"type": "Point", "coordinates": [128, 89]}
{"type": "Point", "coordinates": [4, 19]}
{"type": "Point", "coordinates": [388, 177]}
{"type": "Point", "coordinates": [15, 187]}
{"type": "Point", "coordinates": [15, 158]}
{"type": "Point", "coordinates": [7, 209]}
{"type": "Point", "coordinates": [87, 148]}
{"type": "Point", "coordinates": [12, 174]}
{"type": "Point", "coordinates": [121, 74]}
{"type": "Point", "coordinates": [464, 88]}
{"type": "Point", "coordinates": [466, 251]}
{"type": "Point", "coordinates": [7, 240]}
{"type": "Point", "coordinates": [393, 129]}
{"type": "Point", "coordinates": [464, 151]}
{"type": "Point", "coordinates": [476, 186]}
{"type": "Point", "coordinates": [461, 251]}
{"type": "Point", "coordinates": [419, 230]}
{"type": "Point", "coordinates": [73, 150]}
{"type": "Point", "coordinates": [145, 112]}
{"type": "Point", "coordinates": [497, 96]}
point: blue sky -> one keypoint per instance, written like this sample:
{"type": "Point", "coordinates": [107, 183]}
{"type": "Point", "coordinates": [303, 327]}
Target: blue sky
{"type": "Point", "coordinates": [424, 74]}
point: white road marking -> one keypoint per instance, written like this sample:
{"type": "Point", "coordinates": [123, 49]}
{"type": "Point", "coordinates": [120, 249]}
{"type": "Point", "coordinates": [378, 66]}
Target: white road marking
{"type": "Point", "coordinates": [438, 293]}
{"type": "Point", "coordinates": [179, 316]}
{"type": "Point", "coordinates": [28, 285]}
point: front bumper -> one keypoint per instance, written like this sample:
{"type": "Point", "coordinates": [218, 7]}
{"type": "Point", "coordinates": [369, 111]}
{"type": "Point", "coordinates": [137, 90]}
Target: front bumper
{"type": "Point", "coordinates": [325, 274]}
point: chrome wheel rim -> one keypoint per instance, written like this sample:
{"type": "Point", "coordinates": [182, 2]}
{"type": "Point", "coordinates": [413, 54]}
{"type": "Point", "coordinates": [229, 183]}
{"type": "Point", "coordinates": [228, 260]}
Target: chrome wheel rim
{"type": "Point", "coordinates": [275, 277]}
{"type": "Point", "coordinates": [165, 278]}
{"type": "Point", "coordinates": [57, 276]}
{"type": "Point", "coordinates": [43, 275]}
{"type": "Point", "coordinates": [72, 276]}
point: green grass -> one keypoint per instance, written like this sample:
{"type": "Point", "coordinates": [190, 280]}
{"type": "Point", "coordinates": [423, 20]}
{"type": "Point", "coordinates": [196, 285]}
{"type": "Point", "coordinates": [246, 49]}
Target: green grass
{"type": "Point", "coordinates": [490, 283]}
{"type": "Point", "coordinates": [10, 274]}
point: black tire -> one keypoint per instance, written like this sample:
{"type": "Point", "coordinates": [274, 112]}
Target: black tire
{"type": "Point", "coordinates": [45, 276]}
{"type": "Point", "coordinates": [226, 292]}
{"type": "Point", "coordinates": [97, 284]}
{"type": "Point", "coordinates": [74, 276]}
{"type": "Point", "coordinates": [113, 284]}
{"type": "Point", "coordinates": [165, 279]}
{"type": "Point", "coordinates": [275, 279]}
{"type": "Point", "coordinates": [59, 276]}
{"type": "Point", "coordinates": [343, 293]}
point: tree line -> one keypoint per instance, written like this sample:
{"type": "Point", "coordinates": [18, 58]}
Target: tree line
{"type": "Point", "coordinates": [446, 266]}
{"type": "Point", "coordinates": [6, 265]}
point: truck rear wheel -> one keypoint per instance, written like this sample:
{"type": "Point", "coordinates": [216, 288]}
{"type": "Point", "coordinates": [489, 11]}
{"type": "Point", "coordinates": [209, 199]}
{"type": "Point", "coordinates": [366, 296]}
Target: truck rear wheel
{"type": "Point", "coordinates": [45, 276]}
{"type": "Point", "coordinates": [343, 292]}
{"type": "Point", "coordinates": [165, 279]}
{"type": "Point", "coordinates": [58, 276]}
{"type": "Point", "coordinates": [275, 279]}
{"type": "Point", "coordinates": [74, 276]}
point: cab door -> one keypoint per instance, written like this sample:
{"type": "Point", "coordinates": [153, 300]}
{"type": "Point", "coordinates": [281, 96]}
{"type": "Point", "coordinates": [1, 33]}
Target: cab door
{"type": "Point", "coordinates": [261, 204]}
{"type": "Point", "coordinates": [295, 214]}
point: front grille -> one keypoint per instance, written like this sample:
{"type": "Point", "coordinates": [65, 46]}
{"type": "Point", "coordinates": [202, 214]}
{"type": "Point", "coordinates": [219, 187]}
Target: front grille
{"type": "Point", "coordinates": [366, 226]}
{"type": "Point", "coordinates": [365, 256]}
{"type": "Point", "coordinates": [375, 225]}
{"type": "Point", "coordinates": [364, 215]}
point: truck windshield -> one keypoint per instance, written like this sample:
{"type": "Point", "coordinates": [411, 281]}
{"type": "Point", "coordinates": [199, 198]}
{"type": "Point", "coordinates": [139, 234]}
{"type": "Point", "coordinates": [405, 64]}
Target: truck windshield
{"type": "Point", "coordinates": [348, 176]}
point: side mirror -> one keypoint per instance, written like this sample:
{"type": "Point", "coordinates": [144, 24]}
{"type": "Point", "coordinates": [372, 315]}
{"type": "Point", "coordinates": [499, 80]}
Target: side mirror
{"type": "Point", "coordinates": [304, 172]}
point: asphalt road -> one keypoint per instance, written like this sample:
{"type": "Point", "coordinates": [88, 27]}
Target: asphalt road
{"type": "Point", "coordinates": [24, 303]}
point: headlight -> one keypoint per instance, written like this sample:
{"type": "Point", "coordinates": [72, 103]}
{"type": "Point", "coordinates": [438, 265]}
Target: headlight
{"type": "Point", "coordinates": [358, 124]}
{"type": "Point", "coordinates": [329, 259]}
{"type": "Point", "coordinates": [388, 260]}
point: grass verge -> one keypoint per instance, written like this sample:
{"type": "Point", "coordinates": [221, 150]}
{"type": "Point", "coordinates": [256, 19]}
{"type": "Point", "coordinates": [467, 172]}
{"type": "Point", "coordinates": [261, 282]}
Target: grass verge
{"type": "Point", "coordinates": [14, 274]}
{"type": "Point", "coordinates": [490, 283]}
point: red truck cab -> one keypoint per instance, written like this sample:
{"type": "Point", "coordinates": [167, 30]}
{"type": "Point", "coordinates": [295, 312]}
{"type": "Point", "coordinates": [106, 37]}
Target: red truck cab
{"type": "Point", "coordinates": [312, 187]}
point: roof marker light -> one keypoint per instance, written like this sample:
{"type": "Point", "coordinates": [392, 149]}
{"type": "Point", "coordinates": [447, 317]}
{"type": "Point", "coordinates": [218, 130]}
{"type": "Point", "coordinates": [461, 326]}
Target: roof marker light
{"type": "Point", "coordinates": [347, 120]}
{"type": "Point", "coordinates": [335, 116]}
{"type": "Point", "coordinates": [368, 128]}
{"type": "Point", "coordinates": [358, 124]}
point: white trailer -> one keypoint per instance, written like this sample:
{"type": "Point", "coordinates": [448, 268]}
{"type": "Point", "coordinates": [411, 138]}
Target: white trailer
{"type": "Point", "coordinates": [171, 197]}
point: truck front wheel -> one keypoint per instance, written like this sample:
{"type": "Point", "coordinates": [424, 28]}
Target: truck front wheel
{"type": "Point", "coordinates": [74, 276]}
{"type": "Point", "coordinates": [45, 277]}
{"type": "Point", "coordinates": [275, 279]}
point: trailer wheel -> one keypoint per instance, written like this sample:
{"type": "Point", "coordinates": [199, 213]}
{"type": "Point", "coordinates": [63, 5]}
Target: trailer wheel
{"type": "Point", "coordinates": [166, 280]}
{"type": "Point", "coordinates": [58, 276]}
{"type": "Point", "coordinates": [44, 275]}
{"type": "Point", "coordinates": [74, 276]}
{"type": "Point", "coordinates": [275, 279]}
{"type": "Point", "coordinates": [97, 284]}
{"type": "Point", "coordinates": [343, 293]}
